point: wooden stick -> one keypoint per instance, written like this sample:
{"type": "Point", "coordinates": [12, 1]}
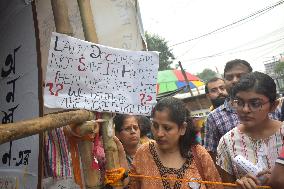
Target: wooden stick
{"type": "Point", "coordinates": [91, 176]}
{"type": "Point", "coordinates": [61, 17]}
{"type": "Point", "coordinates": [185, 78]}
{"type": "Point", "coordinates": [86, 128]}
{"type": "Point", "coordinates": [88, 21]}
{"type": "Point", "coordinates": [91, 35]}
{"type": "Point", "coordinates": [40, 96]}
{"type": "Point", "coordinates": [17, 130]}
{"type": "Point", "coordinates": [110, 147]}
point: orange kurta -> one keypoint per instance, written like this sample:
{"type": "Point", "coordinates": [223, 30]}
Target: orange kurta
{"type": "Point", "coordinates": [147, 162]}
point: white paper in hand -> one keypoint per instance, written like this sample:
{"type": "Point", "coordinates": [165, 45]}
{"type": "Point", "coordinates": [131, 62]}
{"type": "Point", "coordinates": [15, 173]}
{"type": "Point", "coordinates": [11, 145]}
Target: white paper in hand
{"type": "Point", "coordinates": [246, 166]}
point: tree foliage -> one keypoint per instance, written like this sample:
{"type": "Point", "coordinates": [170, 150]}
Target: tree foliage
{"type": "Point", "coordinates": [157, 43]}
{"type": "Point", "coordinates": [279, 68]}
{"type": "Point", "coordinates": [207, 74]}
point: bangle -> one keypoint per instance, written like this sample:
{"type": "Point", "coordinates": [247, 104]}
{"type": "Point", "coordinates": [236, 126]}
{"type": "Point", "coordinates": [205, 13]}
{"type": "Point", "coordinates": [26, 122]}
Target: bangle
{"type": "Point", "coordinates": [113, 177]}
{"type": "Point", "coordinates": [125, 175]}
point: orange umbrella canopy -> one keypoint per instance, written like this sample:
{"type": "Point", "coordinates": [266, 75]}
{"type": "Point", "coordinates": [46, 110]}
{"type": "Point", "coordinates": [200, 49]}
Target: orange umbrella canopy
{"type": "Point", "coordinates": [171, 80]}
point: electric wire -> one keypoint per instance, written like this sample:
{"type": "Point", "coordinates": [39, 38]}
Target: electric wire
{"type": "Point", "coordinates": [253, 15]}
{"type": "Point", "coordinates": [236, 51]}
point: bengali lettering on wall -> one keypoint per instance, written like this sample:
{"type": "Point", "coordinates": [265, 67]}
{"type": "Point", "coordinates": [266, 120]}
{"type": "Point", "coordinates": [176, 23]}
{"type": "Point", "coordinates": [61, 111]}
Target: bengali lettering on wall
{"type": "Point", "coordinates": [19, 94]}
{"type": "Point", "coordinates": [89, 76]}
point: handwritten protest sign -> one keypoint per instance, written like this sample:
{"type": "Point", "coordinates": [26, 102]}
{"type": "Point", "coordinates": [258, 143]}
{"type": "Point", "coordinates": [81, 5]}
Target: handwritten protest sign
{"type": "Point", "coordinates": [85, 75]}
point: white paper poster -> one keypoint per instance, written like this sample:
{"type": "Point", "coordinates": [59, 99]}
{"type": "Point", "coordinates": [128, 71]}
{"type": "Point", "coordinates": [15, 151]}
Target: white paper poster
{"type": "Point", "coordinates": [89, 76]}
{"type": "Point", "coordinates": [19, 92]}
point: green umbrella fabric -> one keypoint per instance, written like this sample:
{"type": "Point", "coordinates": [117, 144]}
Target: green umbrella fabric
{"type": "Point", "coordinates": [171, 80]}
{"type": "Point", "coordinates": [166, 81]}
{"type": "Point", "coordinates": [166, 76]}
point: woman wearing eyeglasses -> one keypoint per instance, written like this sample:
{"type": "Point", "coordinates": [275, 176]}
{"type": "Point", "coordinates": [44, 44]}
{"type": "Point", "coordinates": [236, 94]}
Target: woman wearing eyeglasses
{"type": "Point", "coordinates": [257, 139]}
{"type": "Point", "coordinates": [174, 153]}
{"type": "Point", "coordinates": [128, 132]}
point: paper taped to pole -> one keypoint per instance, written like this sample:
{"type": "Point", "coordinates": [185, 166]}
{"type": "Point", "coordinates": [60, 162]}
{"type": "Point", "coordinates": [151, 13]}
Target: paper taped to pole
{"type": "Point", "coordinates": [89, 76]}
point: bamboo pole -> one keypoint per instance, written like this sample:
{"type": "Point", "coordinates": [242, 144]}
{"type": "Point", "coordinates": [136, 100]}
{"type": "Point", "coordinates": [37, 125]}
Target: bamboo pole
{"type": "Point", "coordinates": [92, 177]}
{"type": "Point", "coordinates": [110, 147]}
{"type": "Point", "coordinates": [40, 95]}
{"type": "Point", "coordinates": [13, 131]}
{"type": "Point", "coordinates": [62, 22]}
{"type": "Point", "coordinates": [78, 134]}
{"type": "Point", "coordinates": [61, 17]}
{"type": "Point", "coordinates": [88, 127]}
{"type": "Point", "coordinates": [88, 21]}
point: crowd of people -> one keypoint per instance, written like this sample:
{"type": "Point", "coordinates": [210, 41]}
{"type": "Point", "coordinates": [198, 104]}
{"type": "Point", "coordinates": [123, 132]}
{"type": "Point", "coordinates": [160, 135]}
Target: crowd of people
{"type": "Point", "coordinates": [243, 140]}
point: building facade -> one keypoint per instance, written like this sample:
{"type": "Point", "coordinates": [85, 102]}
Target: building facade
{"type": "Point", "coordinates": [270, 66]}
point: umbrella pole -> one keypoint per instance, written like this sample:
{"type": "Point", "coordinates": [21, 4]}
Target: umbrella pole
{"type": "Point", "coordinates": [185, 78]}
{"type": "Point", "coordinates": [188, 86]}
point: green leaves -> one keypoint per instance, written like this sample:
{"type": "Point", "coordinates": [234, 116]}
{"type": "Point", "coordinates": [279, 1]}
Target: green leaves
{"type": "Point", "coordinates": [207, 74]}
{"type": "Point", "coordinates": [279, 68]}
{"type": "Point", "coordinates": [157, 43]}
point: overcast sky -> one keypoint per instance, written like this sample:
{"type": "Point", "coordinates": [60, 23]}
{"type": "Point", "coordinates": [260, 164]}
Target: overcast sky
{"type": "Point", "coordinates": [257, 40]}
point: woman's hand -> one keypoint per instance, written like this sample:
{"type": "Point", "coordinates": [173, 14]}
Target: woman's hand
{"type": "Point", "coordinates": [122, 159]}
{"type": "Point", "coordinates": [121, 154]}
{"type": "Point", "coordinates": [249, 181]}
{"type": "Point", "coordinates": [264, 177]}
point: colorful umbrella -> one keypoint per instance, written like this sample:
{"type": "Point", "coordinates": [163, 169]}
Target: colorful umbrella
{"type": "Point", "coordinates": [171, 80]}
